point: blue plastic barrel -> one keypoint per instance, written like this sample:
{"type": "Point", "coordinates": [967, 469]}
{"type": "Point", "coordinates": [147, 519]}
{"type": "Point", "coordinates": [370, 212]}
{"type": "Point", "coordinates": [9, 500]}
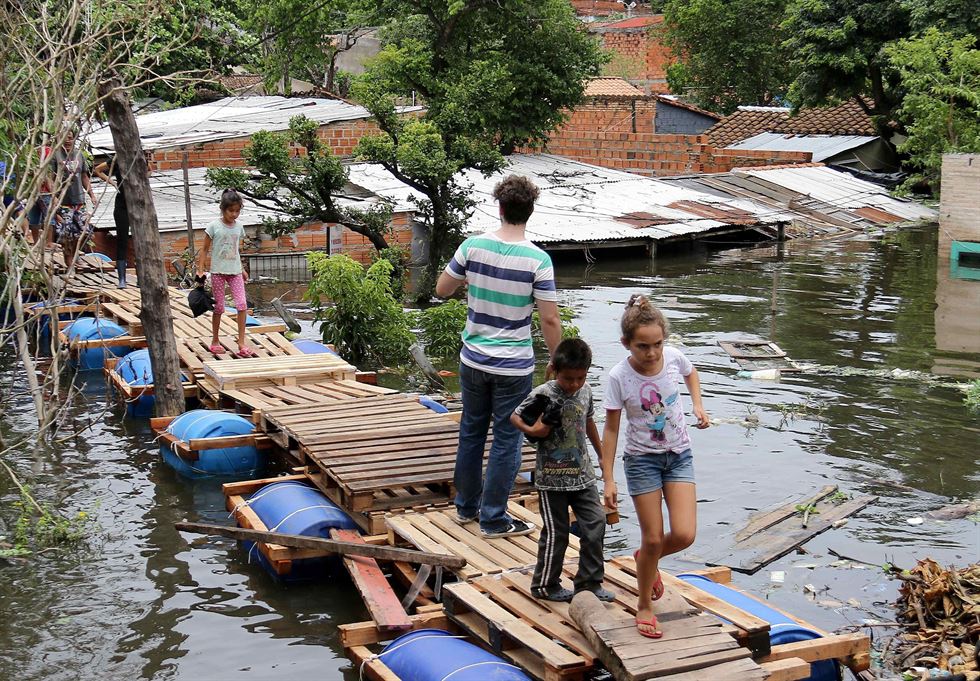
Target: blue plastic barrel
{"type": "Point", "coordinates": [293, 507]}
{"type": "Point", "coordinates": [312, 347]}
{"type": "Point", "coordinates": [434, 654]}
{"type": "Point", "coordinates": [782, 628]}
{"type": "Point", "coordinates": [100, 256]}
{"type": "Point", "coordinates": [44, 330]}
{"type": "Point", "coordinates": [90, 328]}
{"type": "Point", "coordinates": [136, 370]}
{"type": "Point", "coordinates": [244, 461]}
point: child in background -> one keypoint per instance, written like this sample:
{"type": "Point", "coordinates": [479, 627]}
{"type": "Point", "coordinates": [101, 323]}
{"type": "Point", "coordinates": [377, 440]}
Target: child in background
{"type": "Point", "coordinates": [221, 240]}
{"type": "Point", "coordinates": [565, 475]}
{"type": "Point", "coordinates": [657, 457]}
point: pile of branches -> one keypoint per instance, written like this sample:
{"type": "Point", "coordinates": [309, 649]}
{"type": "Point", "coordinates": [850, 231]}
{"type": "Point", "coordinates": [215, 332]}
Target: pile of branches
{"type": "Point", "coordinates": [945, 605]}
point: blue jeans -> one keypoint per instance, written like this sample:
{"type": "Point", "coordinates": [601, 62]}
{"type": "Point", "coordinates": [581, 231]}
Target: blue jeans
{"type": "Point", "coordinates": [487, 395]}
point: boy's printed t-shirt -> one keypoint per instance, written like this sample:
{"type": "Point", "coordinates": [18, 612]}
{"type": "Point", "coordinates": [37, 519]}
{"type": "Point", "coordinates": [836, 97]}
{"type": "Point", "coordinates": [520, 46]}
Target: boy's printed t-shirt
{"type": "Point", "coordinates": [563, 461]}
{"type": "Point", "coordinates": [653, 404]}
{"type": "Point", "coordinates": [224, 247]}
{"type": "Point", "coordinates": [504, 279]}
{"type": "Point", "coordinates": [73, 166]}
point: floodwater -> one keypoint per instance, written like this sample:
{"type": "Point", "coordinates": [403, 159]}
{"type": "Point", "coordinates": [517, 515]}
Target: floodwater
{"type": "Point", "coordinates": [143, 603]}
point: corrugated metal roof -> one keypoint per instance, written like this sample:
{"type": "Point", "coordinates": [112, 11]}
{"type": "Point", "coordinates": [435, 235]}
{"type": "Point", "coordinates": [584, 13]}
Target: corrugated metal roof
{"type": "Point", "coordinates": [841, 189]}
{"type": "Point", "coordinates": [582, 203]}
{"type": "Point", "coordinates": [227, 118]}
{"type": "Point", "coordinates": [821, 146]}
{"type": "Point", "coordinates": [168, 201]}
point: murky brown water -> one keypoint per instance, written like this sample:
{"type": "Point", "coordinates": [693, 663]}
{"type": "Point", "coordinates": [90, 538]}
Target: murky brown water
{"type": "Point", "coordinates": [143, 604]}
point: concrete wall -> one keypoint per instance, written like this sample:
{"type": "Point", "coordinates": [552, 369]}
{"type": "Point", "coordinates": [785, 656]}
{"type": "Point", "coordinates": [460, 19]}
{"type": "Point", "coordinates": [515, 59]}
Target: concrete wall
{"type": "Point", "coordinates": [672, 120]}
{"type": "Point", "coordinates": [352, 60]}
{"type": "Point", "coordinates": [959, 207]}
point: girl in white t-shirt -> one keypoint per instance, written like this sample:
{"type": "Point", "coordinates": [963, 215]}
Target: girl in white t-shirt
{"type": "Point", "coordinates": [657, 456]}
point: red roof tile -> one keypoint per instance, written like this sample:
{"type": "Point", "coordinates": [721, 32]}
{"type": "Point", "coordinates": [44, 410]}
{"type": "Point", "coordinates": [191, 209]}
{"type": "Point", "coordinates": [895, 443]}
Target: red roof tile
{"type": "Point", "coordinates": [612, 87]}
{"type": "Point", "coordinates": [846, 119]}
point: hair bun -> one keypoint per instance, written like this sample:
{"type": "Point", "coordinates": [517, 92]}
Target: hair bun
{"type": "Point", "coordinates": [636, 299]}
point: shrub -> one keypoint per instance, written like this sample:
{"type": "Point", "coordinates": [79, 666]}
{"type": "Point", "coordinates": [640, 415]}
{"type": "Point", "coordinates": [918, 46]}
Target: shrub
{"type": "Point", "coordinates": [357, 311]}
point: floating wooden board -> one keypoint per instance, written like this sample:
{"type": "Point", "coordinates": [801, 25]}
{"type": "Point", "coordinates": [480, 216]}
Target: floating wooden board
{"type": "Point", "coordinates": [134, 392]}
{"type": "Point", "coordinates": [382, 603]}
{"type": "Point", "coordinates": [752, 355]}
{"type": "Point", "coordinates": [774, 533]}
{"type": "Point", "coordinates": [284, 370]}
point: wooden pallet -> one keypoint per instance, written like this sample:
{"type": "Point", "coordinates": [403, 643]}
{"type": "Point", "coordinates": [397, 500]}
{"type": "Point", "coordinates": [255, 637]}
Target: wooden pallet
{"type": "Point", "coordinates": [259, 399]}
{"type": "Point", "coordinates": [282, 370]}
{"type": "Point", "coordinates": [195, 352]}
{"type": "Point", "coordinates": [439, 533]}
{"type": "Point", "coordinates": [134, 392]}
{"type": "Point", "coordinates": [92, 284]}
{"type": "Point", "coordinates": [363, 449]}
{"type": "Point", "coordinates": [186, 325]}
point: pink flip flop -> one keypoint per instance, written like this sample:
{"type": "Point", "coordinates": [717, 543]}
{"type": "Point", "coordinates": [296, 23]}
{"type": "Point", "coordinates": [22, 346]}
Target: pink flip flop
{"type": "Point", "coordinates": [217, 350]}
{"type": "Point", "coordinates": [245, 352]}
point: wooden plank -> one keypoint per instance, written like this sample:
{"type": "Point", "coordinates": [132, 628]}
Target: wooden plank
{"type": "Point", "coordinates": [366, 633]}
{"type": "Point", "coordinates": [370, 665]}
{"type": "Point", "coordinates": [850, 649]}
{"type": "Point", "coordinates": [465, 595]}
{"type": "Point", "coordinates": [766, 519]}
{"type": "Point", "coordinates": [787, 669]}
{"type": "Point", "coordinates": [379, 598]}
{"type": "Point", "coordinates": [329, 545]}
{"type": "Point", "coordinates": [252, 486]}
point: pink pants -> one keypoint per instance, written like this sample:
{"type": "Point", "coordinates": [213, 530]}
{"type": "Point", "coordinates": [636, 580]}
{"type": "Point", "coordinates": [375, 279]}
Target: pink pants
{"type": "Point", "coordinates": [237, 284]}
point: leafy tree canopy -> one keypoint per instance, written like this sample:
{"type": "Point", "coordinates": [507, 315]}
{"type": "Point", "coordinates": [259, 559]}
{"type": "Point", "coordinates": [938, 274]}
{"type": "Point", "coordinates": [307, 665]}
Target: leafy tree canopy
{"type": "Point", "coordinates": [940, 74]}
{"type": "Point", "coordinates": [493, 76]}
{"type": "Point", "coordinates": [732, 52]}
{"type": "Point", "coordinates": [302, 187]}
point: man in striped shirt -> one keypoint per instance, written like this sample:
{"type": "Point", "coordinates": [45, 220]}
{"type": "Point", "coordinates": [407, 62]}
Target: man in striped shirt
{"type": "Point", "coordinates": [506, 276]}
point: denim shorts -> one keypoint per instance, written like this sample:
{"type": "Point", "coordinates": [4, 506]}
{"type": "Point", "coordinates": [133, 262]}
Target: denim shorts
{"type": "Point", "coordinates": [648, 472]}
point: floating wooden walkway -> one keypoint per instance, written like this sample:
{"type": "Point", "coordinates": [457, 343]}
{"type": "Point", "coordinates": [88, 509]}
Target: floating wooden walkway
{"type": "Point", "coordinates": [372, 455]}
{"type": "Point", "coordinates": [704, 637]}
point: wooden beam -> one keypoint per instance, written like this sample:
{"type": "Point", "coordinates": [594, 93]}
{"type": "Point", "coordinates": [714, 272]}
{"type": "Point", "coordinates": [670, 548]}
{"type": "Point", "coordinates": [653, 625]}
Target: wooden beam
{"type": "Point", "coordinates": [850, 649]}
{"type": "Point", "coordinates": [366, 633]}
{"type": "Point", "coordinates": [381, 601]}
{"type": "Point", "coordinates": [328, 545]}
{"type": "Point", "coordinates": [788, 669]}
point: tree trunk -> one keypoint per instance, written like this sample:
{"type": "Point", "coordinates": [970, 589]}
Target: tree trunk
{"type": "Point", "coordinates": [155, 311]}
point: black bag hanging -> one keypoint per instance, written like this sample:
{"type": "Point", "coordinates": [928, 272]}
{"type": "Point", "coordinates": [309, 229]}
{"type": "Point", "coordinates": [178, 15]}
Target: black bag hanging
{"type": "Point", "coordinates": [200, 300]}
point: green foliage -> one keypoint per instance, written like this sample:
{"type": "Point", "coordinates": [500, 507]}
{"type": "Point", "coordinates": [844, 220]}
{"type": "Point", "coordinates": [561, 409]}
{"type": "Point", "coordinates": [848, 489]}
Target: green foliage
{"type": "Point", "coordinates": [304, 38]}
{"type": "Point", "coordinates": [732, 52]}
{"type": "Point", "coordinates": [301, 186]}
{"type": "Point", "coordinates": [357, 311]}
{"type": "Point", "coordinates": [972, 398]}
{"type": "Point", "coordinates": [441, 327]}
{"type": "Point", "coordinates": [940, 75]}
{"type": "Point", "coordinates": [837, 48]}
{"type": "Point", "coordinates": [493, 77]}
{"type": "Point", "coordinates": [38, 527]}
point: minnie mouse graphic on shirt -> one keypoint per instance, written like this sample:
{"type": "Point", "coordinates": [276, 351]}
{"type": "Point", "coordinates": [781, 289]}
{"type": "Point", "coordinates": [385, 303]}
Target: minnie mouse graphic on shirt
{"type": "Point", "coordinates": [652, 402]}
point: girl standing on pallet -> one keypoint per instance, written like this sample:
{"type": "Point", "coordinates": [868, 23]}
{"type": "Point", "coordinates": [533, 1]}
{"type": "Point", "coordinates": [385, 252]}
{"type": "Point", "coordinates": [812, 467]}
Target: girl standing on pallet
{"type": "Point", "coordinates": [221, 240]}
{"type": "Point", "coordinates": [657, 457]}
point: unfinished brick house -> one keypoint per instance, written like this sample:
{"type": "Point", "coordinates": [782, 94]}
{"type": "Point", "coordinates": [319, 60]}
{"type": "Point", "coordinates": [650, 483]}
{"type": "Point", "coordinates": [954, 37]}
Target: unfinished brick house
{"type": "Point", "coordinates": [637, 51]}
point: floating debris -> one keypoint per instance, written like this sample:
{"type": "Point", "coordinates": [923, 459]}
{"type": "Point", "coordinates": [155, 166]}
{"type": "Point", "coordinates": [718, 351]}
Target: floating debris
{"type": "Point", "coordinates": [945, 604]}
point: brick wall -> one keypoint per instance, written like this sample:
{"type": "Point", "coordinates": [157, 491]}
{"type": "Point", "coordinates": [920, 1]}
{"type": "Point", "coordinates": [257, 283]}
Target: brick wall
{"type": "Point", "coordinates": [600, 133]}
{"type": "Point", "coordinates": [311, 236]}
{"type": "Point", "coordinates": [958, 216]}
{"type": "Point", "coordinates": [341, 136]}
{"type": "Point", "coordinates": [638, 55]}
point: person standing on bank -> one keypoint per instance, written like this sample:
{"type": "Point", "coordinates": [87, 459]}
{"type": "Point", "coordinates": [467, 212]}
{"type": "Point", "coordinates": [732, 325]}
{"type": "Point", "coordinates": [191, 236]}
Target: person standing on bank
{"type": "Point", "coordinates": [506, 276]}
{"type": "Point", "coordinates": [72, 228]}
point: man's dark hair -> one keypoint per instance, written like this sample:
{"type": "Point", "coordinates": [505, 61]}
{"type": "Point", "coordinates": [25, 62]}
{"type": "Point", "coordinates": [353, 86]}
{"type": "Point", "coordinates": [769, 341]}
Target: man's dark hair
{"type": "Point", "coordinates": [516, 196]}
{"type": "Point", "coordinates": [572, 353]}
